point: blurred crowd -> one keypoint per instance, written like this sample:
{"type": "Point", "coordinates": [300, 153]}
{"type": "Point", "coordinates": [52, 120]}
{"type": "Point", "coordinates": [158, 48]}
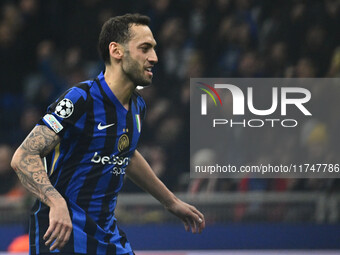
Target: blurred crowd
{"type": "Point", "coordinates": [46, 46]}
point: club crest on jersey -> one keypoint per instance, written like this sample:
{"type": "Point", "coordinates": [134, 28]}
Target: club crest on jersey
{"type": "Point", "coordinates": [64, 108]}
{"type": "Point", "coordinates": [123, 142]}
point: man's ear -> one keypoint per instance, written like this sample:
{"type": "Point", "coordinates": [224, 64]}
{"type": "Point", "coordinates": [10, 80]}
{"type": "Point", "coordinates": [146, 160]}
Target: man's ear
{"type": "Point", "coordinates": [116, 50]}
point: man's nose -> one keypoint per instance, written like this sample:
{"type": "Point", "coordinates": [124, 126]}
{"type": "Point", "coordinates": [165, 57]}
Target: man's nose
{"type": "Point", "coordinates": [153, 57]}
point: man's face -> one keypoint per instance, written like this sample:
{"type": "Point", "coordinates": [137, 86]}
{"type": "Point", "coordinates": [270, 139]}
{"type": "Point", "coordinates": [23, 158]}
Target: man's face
{"type": "Point", "coordinates": [139, 55]}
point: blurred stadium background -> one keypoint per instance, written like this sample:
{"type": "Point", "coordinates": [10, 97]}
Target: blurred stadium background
{"type": "Point", "coordinates": [47, 46]}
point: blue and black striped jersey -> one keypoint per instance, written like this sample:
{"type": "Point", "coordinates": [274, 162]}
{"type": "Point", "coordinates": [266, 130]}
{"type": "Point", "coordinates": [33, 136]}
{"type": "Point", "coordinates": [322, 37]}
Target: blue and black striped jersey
{"type": "Point", "coordinates": [98, 137]}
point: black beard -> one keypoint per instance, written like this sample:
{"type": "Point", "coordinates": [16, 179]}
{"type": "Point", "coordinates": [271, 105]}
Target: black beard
{"type": "Point", "coordinates": [130, 72]}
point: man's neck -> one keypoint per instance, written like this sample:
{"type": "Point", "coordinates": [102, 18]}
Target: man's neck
{"type": "Point", "coordinates": [121, 87]}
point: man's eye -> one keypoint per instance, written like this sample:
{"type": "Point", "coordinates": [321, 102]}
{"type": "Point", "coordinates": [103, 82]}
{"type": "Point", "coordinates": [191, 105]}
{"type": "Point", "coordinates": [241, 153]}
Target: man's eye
{"type": "Point", "coordinates": [145, 49]}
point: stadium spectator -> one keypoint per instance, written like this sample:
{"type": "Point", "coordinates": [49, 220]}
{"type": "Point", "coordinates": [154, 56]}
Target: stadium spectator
{"type": "Point", "coordinates": [8, 181]}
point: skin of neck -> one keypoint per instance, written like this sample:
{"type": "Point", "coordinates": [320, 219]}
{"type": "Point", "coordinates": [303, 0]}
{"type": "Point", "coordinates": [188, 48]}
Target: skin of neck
{"type": "Point", "coordinates": [121, 86]}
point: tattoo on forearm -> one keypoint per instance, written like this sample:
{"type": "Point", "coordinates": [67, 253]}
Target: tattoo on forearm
{"type": "Point", "coordinates": [52, 192]}
{"type": "Point", "coordinates": [30, 168]}
{"type": "Point", "coordinates": [41, 140]}
{"type": "Point", "coordinates": [40, 177]}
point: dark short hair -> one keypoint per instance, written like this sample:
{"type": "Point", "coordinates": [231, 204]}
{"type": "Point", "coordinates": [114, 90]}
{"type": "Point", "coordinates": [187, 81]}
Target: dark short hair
{"type": "Point", "coordinates": [117, 29]}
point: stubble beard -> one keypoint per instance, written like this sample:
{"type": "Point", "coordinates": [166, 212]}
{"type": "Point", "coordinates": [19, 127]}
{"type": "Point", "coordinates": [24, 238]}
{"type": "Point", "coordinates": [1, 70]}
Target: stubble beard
{"type": "Point", "coordinates": [133, 71]}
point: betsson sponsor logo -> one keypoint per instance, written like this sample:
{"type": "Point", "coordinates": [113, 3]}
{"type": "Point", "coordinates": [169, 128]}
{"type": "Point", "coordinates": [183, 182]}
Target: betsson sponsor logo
{"type": "Point", "coordinates": [120, 163]}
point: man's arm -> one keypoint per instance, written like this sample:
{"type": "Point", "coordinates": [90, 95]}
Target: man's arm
{"type": "Point", "coordinates": [140, 172]}
{"type": "Point", "coordinates": [28, 165]}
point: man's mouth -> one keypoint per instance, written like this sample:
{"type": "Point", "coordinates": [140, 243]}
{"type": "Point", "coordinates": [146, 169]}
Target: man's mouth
{"type": "Point", "coordinates": [149, 71]}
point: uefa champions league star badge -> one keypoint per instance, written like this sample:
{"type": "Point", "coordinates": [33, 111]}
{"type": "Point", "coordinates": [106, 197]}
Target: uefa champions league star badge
{"type": "Point", "coordinates": [64, 108]}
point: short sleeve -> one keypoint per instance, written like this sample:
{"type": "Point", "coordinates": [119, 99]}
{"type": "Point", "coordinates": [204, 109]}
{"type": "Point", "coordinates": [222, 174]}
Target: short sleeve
{"type": "Point", "coordinates": [65, 111]}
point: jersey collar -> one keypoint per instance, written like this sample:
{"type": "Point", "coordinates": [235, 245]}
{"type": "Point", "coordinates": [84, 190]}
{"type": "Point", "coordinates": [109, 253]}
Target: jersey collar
{"type": "Point", "coordinates": [109, 92]}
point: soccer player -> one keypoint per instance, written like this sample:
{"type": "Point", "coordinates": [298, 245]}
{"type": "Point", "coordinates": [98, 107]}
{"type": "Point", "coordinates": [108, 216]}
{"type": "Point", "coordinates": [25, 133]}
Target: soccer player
{"type": "Point", "coordinates": [75, 159]}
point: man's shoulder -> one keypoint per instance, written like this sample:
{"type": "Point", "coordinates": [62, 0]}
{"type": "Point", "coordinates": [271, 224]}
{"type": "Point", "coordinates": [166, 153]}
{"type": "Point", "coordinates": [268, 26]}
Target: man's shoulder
{"type": "Point", "coordinates": [136, 93]}
{"type": "Point", "coordinates": [83, 89]}
{"type": "Point", "coordinates": [138, 99]}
